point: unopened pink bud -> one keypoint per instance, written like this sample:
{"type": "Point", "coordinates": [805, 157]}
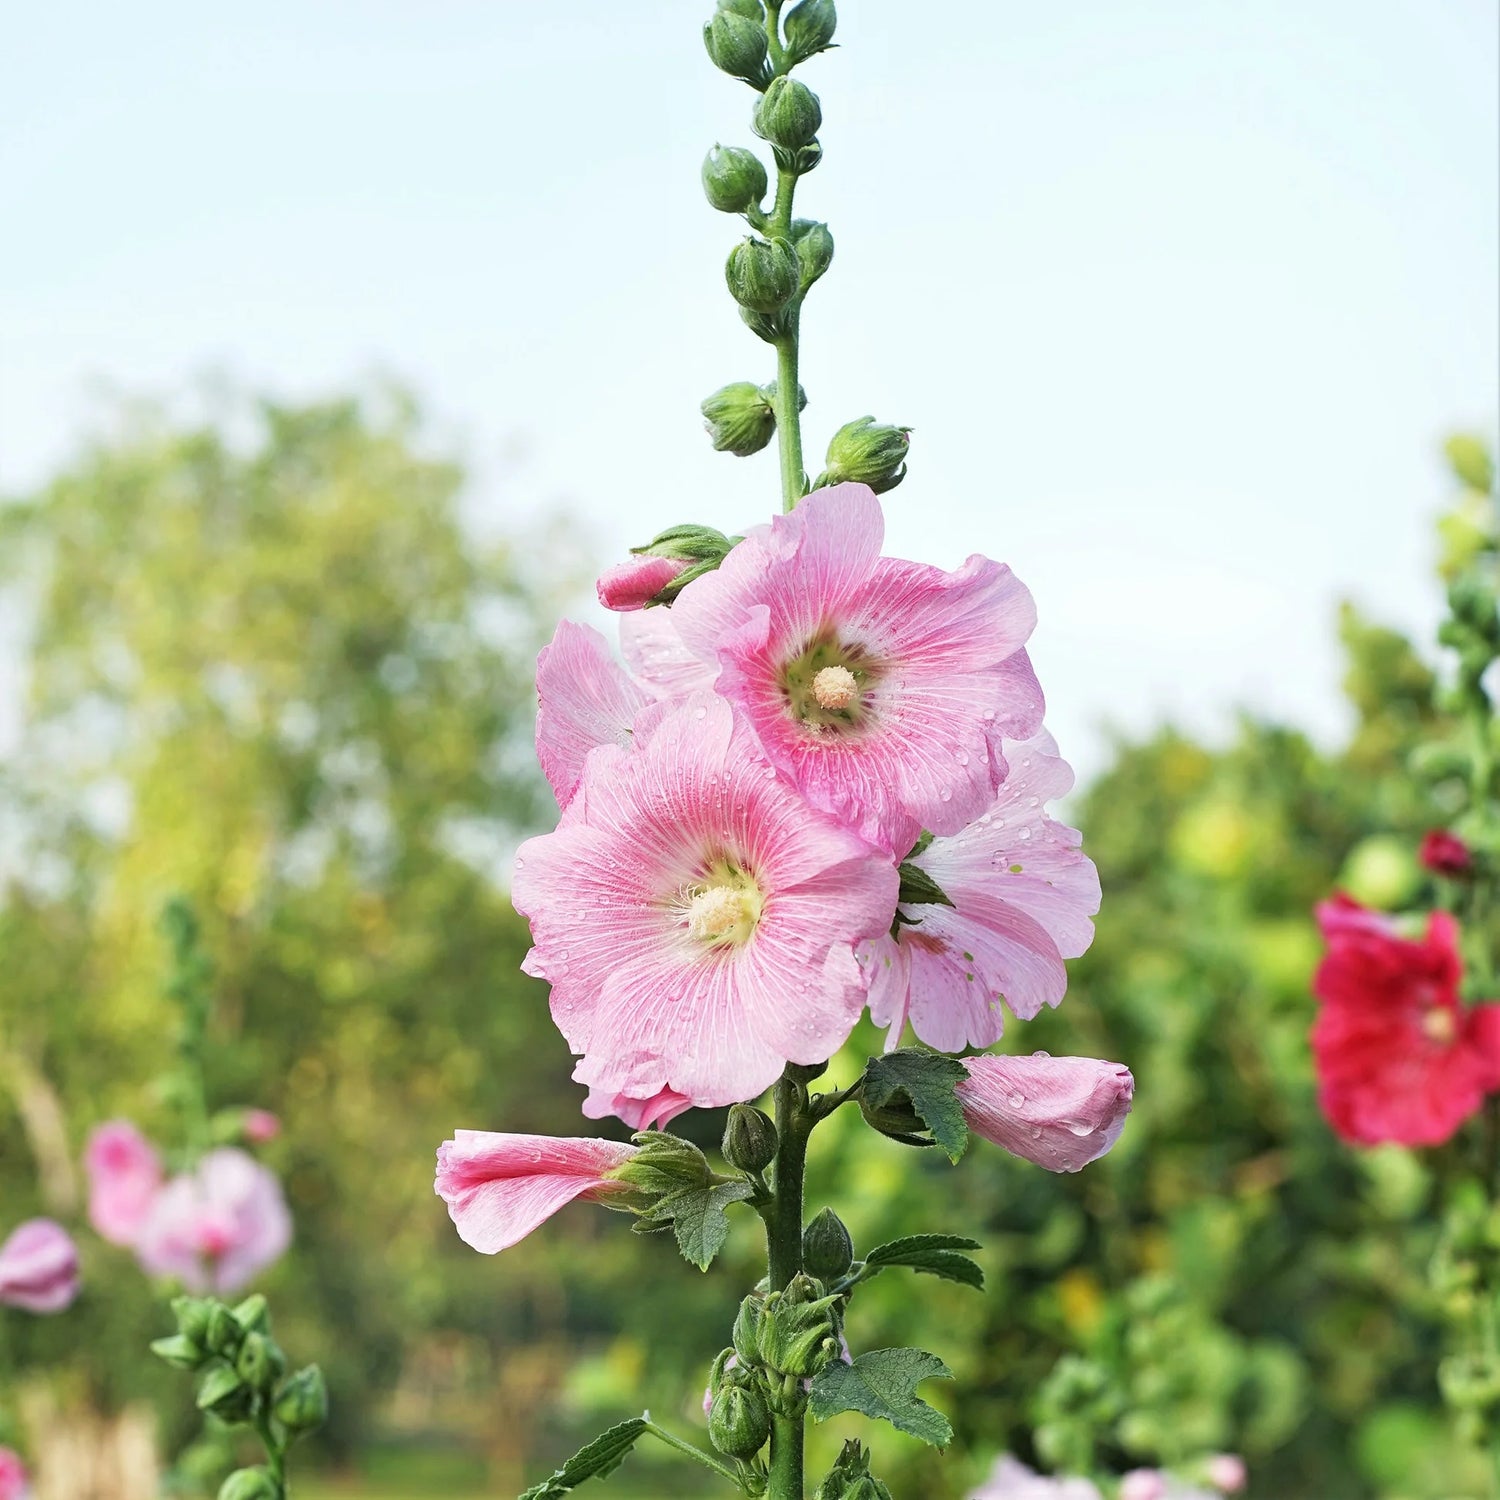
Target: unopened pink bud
{"type": "Point", "coordinates": [634, 584]}
{"type": "Point", "coordinates": [38, 1268]}
{"type": "Point", "coordinates": [1143, 1484]}
{"type": "Point", "coordinates": [260, 1126]}
{"type": "Point", "coordinates": [1226, 1471]}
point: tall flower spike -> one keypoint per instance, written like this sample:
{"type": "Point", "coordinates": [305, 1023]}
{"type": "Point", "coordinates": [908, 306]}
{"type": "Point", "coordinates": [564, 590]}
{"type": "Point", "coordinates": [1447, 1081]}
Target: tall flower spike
{"type": "Point", "coordinates": [940, 676]}
{"type": "Point", "coordinates": [697, 923]}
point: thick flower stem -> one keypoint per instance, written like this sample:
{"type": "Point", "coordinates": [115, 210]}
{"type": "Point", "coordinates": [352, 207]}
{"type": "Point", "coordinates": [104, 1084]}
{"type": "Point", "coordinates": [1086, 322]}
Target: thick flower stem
{"type": "Point", "coordinates": [783, 1216]}
{"type": "Point", "coordinates": [788, 418]}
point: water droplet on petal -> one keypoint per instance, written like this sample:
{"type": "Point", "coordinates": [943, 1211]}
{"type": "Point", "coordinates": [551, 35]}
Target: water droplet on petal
{"type": "Point", "coordinates": [1017, 1099]}
{"type": "Point", "coordinates": [1041, 1054]}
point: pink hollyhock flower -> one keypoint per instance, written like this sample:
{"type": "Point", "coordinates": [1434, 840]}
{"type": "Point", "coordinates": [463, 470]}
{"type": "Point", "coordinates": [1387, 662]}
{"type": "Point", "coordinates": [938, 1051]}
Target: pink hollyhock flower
{"type": "Point", "coordinates": [655, 653]}
{"type": "Point", "coordinates": [1023, 893]}
{"type": "Point", "coordinates": [586, 699]}
{"type": "Point", "coordinates": [635, 583]}
{"type": "Point", "coordinates": [498, 1188]}
{"type": "Point", "coordinates": [217, 1227]}
{"type": "Point", "coordinates": [1226, 1472]}
{"type": "Point", "coordinates": [1398, 1056]}
{"type": "Point", "coordinates": [125, 1176]}
{"type": "Point", "coordinates": [1144, 1484]}
{"type": "Point", "coordinates": [38, 1267]}
{"type": "Point", "coordinates": [260, 1126]}
{"type": "Point", "coordinates": [1444, 853]}
{"type": "Point", "coordinates": [697, 921]}
{"type": "Point", "coordinates": [1012, 1480]}
{"type": "Point", "coordinates": [14, 1484]}
{"type": "Point", "coordinates": [1059, 1112]}
{"type": "Point", "coordinates": [882, 688]}
{"type": "Point", "coordinates": [654, 1113]}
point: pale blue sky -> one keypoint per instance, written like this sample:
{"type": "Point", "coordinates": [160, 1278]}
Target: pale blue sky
{"type": "Point", "coordinates": [1179, 295]}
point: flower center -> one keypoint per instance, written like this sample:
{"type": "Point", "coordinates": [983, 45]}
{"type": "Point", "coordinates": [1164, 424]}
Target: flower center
{"type": "Point", "coordinates": [724, 908]}
{"type": "Point", "coordinates": [835, 687]}
{"type": "Point", "coordinates": [1439, 1026]}
{"type": "Point", "coordinates": [826, 685]}
{"type": "Point", "coordinates": [716, 912]}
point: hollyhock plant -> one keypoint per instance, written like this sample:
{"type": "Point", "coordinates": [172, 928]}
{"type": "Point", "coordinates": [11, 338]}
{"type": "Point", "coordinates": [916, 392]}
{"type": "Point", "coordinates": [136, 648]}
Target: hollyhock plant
{"type": "Point", "coordinates": [38, 1268]}
{"type": "Point", "coordinates": [1006, 900]}
{"type": "Point", "coordinates": [696, 892]}
{"type": "Point", "coordinates": [1399, 1056]}
{"type": "Point", "coordinates": [14, 1482]}
{"type": "Point", "coordinates": [218, 1226]}
{"type": "Point", "coordinates": [125, 1175]}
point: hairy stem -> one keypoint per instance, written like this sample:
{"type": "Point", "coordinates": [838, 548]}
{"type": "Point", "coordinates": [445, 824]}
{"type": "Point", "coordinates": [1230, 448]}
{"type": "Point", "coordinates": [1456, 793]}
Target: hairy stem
{"type": "Point", "coordinates": [783, 1217]}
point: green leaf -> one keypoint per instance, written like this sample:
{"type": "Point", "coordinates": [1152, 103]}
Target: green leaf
{"type": "Point", "coordinates": [926, 1080]}
{"type": "Point", "coordinates": [882, 1384]}
{"type": "Point", "coordinates": [593, 1461]}
{"type": "Point", "coordinates": [937, 1254]}
{"type": "Point", "coordinates": [918, 888]}
{"type": "Point", "coordinates": [698, 1218]}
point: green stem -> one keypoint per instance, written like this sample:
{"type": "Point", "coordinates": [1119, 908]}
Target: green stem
{"type": "Point", "coordinates": [707, 1460]}
{"type": "Point", "coordinates": [788, 417]}
{"type": "Point", "coordinates": [783, 1218]}
{"type": "Point", "coordinates": [275, 1452]}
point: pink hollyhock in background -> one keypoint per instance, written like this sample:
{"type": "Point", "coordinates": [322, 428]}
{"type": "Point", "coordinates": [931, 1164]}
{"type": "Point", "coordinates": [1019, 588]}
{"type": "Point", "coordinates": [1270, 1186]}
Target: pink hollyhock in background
{"type": "Point", "coordinates": [1059, 1112]}
{"type": "Point", "coordinates": [881, 688]}
{"type": "Point", "coordinates": [13, 1481]}
{"type": "Point", "coordinates": [498, 1187]}
{"type": "Point", "coordinates": [1226, 1472]}
{"type": "Point", "coordinates": [1398, 1056]}
{"type": "Point", "coordinates": [125, 1175]}
{"type": "Point", "coordinates": [38, 1267]}
{"type": "Point", "coordinates": [697, 920]}
{"type": "Point", "coordinates": [1444, 853]}
{"type": "Point", "coordinates": [260, 1126]}
{"type": "Point", "coordinates": [1012, 1480]}
{"type": "Point", "coordinates": [1023, 894]}
{"type": "Point", "coordinates": [217, 1227]}
{"type": "Point", "coordinates": [635, 583]}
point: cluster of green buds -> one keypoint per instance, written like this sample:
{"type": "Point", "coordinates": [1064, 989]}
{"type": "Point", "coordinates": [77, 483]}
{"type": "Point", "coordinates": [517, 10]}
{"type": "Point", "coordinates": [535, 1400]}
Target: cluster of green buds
{"type": "Point", "coordinates": [770, 273]}
{"type": "Point", "coordinates": [1465, 1277]}
{"type": "Point", "coordinates": [244, 1381]}
{"type": "Point", "coordinates": [850, 1477]}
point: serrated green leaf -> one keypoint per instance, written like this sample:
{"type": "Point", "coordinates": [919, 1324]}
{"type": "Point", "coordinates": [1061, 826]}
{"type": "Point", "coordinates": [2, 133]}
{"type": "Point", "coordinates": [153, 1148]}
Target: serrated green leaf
{"type": "Point", "coordinates": [593, 1461]}
{"type": "Point", "coordinates": [927, 1080]}
{"type": "Point", "coordinates": [918, 888]}
{"type": "Point", "coordinates": [936, 1254]}
{"type": "Point", "coordinates": [698, 1219]}
{"type": "Point", "coordinates": [882, 1384]}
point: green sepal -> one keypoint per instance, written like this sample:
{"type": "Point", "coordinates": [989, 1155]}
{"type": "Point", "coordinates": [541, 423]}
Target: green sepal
{"type": "Point", "coordinates": [936, 1254]}
{"type": "Point", "coordinates": [250, 1484]}
{"type": "Point", "coordinates": [225, 1394]}
{"type": "Point", "coordinates": [253, 1314]}
{"type": "Point", "coordinates": [181, 1351]}
{"type": "Point", "coordinates": [664, 1164]}
{"type": "Point", "coordinates": [922, 1082]}
{"type": "Point", "coordinates": [594, 1460]}
{"type": "Point", "coordinates": [809, 29]}
{"type": "Point", "coordinates": [302, 1403]}
{"type": "Point", "coordinates": [882, 1384]}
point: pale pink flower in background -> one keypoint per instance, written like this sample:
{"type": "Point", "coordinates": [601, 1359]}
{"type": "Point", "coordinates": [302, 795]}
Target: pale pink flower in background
{"type": "Point", "coordinates": [499, 1187]}
{"type": "Point", "coordinates": [260, 1126]}
{"type": "Point", "coordinates": [38, 1267]}
{"type": "Point", "coordinates": [881, 688]}
{"type": "Point", "coordinates": [1012, 1480]}
{"type": "Point", "coordinates": [1226, 1472]}
{"type": "Point", "coordinates": [1143, 1484]}
{"type": "Point", "coordinates": [1059, 1112]}
{"type": "Point", "coordinates": [697, 922]}
{"type": "Point", "coordinates": [640, 1114]}
{"type": "Point", "coordinates": [635, 583]}
{"type": "Point", "coordinates": [1023, 894]}
{"type": "Point", "coordinates": [217, 1227]}
{"type": "Point", "coordinates": [586, 699]}
{"type": "Point", "coordinates": [14, 1484]}
{"type": "Point", "coordinates": [125, 1175]}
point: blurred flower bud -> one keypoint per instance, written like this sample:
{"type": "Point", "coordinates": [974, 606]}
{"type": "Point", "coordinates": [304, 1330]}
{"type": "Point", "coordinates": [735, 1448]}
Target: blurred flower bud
{"type": "Point", "coordinates": [850, 1477]}
{"type": "Point", "coordinates": [733, 179]}
{"type": "Point", "coordinates": [180, 1351]}
{"type": "Point", "coordinates": [787, 114]}
{"type": "Point", "coordinates": [746, 1335]}
{"type": "Point", "coordinates": [253, 1314]}
{"type": "Point", "coordinates": [250, 1484]}
{"type": "Point", "coordinates": [749, 1139]}
{"type": "Point", "coordinates": [763, 275]}
{"type": "Point", "coordinates": [814, 249]}
{"type": "Point", "coordinates": [1469, 458]}
{"type": "Point", "coordinates": [1226, 1472]}
{"type": "Point", "coordinates": [1465, 533]}
{"type": "Point", "coordinates": [38, 1268]}
{"type": "Point", "coordinates": [302, 1404]}
{"type": "Point", "coordinates": [260, 1126]}
{"type": "Point", "coordinates": [192, 1315]}
{"type": "Point", "coordinates": [738, 1422]}
{"type": "Point", "coordinates": [1446, 854]}
{"type": "Point", "coordinates": [739, 419]}
{"type": "Point", "coordinates": [225, 1395]}
{"type": "Point", "coordinates": [809, 29]}
{"type": "Point", "coordinates": [827, 1250]}
{"type": "Point", "coordinates": [260, 1363]}
{"type": "Point", "coordinates": [1143, 1484]}
{"type": "Point", "coordinates": [737, 45]}
{"type": "Point", "coordinates": [223, 1333]}
{"type": "Point", "coordinates": [866, 452]}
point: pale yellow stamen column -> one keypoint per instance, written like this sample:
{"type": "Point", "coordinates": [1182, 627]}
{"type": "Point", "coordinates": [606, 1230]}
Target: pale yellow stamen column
{"type": "Point", "coordinates": [835, 687]}
{"type": "Point", "coordinates": [715, 912]}
{"type": "Point", "coordinates": [1439, 1026]}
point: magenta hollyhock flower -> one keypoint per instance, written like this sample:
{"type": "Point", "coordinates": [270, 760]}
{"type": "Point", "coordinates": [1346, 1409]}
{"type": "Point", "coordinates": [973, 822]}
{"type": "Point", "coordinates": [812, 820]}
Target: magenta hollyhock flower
{"type": "Point", "coordinates": [1012, 1480]}
{"type": "Point", "coordinates": [1059, 1112]}
{"type": "Point", "coordinates": [498, 1187]}
{"type": "Point", "coordinates": [1444, 853]}
{"type": "Point", "coordinates": [697, 920]}
{"type": "Point", "coordinates": [881, 688]}
{"type": "Point", "coordinates": [14, 1484]}
{"type": "Point", "coordinates": [217, 1227]}
{"type": "Point", "coordinates": [640, 1114]}
{"type": "Point", "coordinates": [38, 1267]}
{"type": "Point", "coordinates": [125, 1175]}
{"type": "Point", "coordinates": [1399, 1056]}
{"type": "Point", "coordinates": [260, 1126]}
{"type": "Point", "coordinates": [635, 583]}
{"type": "Point", "coordinates": [1023, 894]}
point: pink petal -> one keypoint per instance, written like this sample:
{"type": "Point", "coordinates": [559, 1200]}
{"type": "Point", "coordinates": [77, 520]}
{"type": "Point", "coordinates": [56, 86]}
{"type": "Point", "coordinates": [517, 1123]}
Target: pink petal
{"type": "Point", "coordinates": [654, 1113]}
{"type": "Point", "coordinates": [125, 1174]}
{"type": "Point", "coordinates": [14, 1484]}
{"type": "Point", "coordinates": [655, 653]}
{"type": "Point", "coordinates": [38, 1267]}
{"type": "Point", "coordinates": [635, 583]}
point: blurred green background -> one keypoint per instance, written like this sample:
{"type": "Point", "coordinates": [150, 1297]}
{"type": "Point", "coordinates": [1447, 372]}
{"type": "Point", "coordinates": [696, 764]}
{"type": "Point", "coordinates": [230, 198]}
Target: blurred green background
{"type": "Point", "coordinates": [268, 668]}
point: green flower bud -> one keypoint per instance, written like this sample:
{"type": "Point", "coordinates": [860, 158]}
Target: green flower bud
{"type": "Point", "coordinates": [850, 1477]}
{"type": "Point", "coordinates": [751, 8]}
{"type": "Point", "coordinates": [225, 1395]}
{"type": "Point", "coordinates": [737, 45]}
{"type": "Point", "coordinates": [181, 1351]}
{"type": "Point", "coordinates": [749, 1139]}
{"type": "Point", "coordinates": [809, 29]}
{"type": "Point", "coordinates": [691, 543]}
{"type": "Point", "coordinates": [797, 1336]}
{"type": "Point", "coordinates": [827, 1250]}
{"type": "Point", "coordinates": [224, 1333]}
{"type": "Point", "coordinates": [800, 159]}
{"type": "Point", "coordinates": [193, 1314]}
{"type": "Point", "coordinates": [746, 1335]}
{"type": "Point", "coordinates": [767, 326]}
{"type": "Point", "coordinates": [866, 452]}
{"type": "Point", "coordinates": [253, 1314]}
{"type": "Point", "coordinates": [763, 274]}
{"type": "Point", "coordinates": [733, 179]}
{"type": "Point", "coordinates": [664, 1164]}
{"type": "Point", "coordinates": [302, 1404]}
{"type": "Point", "coordinates": [250, 1484]}
{"type": "Point", "coordinates": [814, 249]}
{"type": "Point", "coordinates": [739, 419]}
{"type": "Point", "coordinates": [788, 114]}
{"type": "Point", "coordinates": [261, 1363]}
{"type": "Point", "coordinates": [739, 1424]}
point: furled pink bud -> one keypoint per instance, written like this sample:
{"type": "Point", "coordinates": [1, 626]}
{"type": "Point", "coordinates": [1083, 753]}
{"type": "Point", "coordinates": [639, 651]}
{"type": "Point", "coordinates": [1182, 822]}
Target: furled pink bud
{"type": "Point", "coordinates": [499, 1188]}
{"type": "Point", "coordinates": [13, 1481]}
{"type": "Point", "coordinates": [38, 1267]}
{"type": "Point", "coordinates": [1226, 1472]}
{"type": "Point", "coordinates": [1143, 1484]}
{"type": "Point", "coordinates": [1444, 853]}
{"type": "Point", "coordinates": [1060, 1112]}
{"type": "Point", "coordinates": [635, 583]}
{"type": "Point", "coordinates": [125, 1176]}
{"type": "Point", "coordinates": [260, 1126]}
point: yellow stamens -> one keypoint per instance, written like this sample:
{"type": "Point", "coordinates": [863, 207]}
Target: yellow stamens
{"type": "Point", "coordinates": [1439, 1026]}
{"type": "Point", "coordinates": [835, 687]}
{"type": "Point", "coordinates": [714, 913]}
